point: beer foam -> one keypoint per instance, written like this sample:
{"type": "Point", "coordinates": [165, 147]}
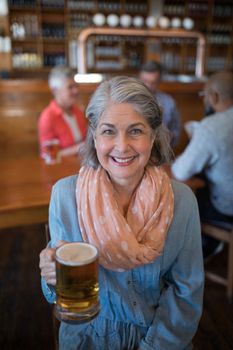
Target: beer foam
{"type": "Point", "coordinates": [77, 253]}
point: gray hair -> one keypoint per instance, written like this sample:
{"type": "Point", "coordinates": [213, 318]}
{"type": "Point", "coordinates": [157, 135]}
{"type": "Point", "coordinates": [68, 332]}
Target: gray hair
{"type": "Point", "coordinates": [123, 89]}
{"type": "Point", "coordinates": [58, 75]}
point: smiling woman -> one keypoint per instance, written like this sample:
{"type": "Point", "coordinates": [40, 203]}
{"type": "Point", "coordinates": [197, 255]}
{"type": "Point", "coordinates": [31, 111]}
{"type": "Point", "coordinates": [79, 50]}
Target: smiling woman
{"type": "Point", "coordinates": [123, 142]}
{"type": "Point", "coordinates": [130, 91]}
{"type": "Point", "coordinates": [144, 225]}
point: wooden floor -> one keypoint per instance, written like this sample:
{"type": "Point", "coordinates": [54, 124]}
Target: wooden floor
{"type": "Point", "coordinates": [25, 317]}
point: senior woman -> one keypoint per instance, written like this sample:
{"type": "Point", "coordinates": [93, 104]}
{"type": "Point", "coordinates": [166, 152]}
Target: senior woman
{"type": "Point", "coordinates": [145, 227]}
{"type": "Point", "coordinates": [62, 119]}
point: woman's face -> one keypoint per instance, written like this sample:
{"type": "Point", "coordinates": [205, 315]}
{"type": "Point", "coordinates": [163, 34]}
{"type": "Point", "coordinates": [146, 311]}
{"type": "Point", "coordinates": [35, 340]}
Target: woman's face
{"type": "Point", "coordinates": [123, 141]}
{"type": "Point", "coordinates": [66, 96]}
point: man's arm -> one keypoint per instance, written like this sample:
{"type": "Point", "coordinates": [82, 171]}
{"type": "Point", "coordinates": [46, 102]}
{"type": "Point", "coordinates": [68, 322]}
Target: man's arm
{"type": "Point", "coordinates": [196, 156]}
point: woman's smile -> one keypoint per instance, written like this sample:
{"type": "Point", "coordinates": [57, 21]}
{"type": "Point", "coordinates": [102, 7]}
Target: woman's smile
{"type": "Point", "coordinates": [123, 161]}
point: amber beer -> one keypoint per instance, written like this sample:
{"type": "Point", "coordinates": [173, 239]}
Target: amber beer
{"type": "Point", "coordinates": [50, 151]}
{"type": "Point", "coordinates": [77, 282]}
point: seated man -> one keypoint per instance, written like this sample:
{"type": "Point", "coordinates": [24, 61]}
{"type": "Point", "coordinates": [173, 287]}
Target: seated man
{"type": "Point", "coordinates": [150, 74]}
{"type": "Point", "coordinates": [210, 153]}
{"type": "Point", "coordinates": [62, 119]}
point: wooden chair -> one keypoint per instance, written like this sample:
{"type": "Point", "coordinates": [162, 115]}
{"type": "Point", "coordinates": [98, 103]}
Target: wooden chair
{"type": "Point", "coordinates": [222, 231]}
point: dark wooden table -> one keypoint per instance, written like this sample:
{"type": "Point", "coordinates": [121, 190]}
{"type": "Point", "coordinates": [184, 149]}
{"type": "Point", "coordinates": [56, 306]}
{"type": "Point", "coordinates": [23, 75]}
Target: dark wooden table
{"type": "Point", "coordinates": [25, 188]}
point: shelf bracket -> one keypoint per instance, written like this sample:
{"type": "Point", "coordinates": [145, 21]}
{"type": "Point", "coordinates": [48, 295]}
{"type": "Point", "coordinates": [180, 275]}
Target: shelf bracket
{"type": "Point", "coordinates": [148, 33]}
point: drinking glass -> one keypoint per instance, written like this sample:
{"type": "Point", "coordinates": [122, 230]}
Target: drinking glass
{"type": "Point", "coordinates": [77, 286]}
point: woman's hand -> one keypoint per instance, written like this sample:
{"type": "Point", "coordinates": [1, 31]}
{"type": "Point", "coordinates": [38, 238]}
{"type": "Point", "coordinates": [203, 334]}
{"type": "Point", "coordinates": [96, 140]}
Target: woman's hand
{"type": "Point", "coordinates": [47, 264]}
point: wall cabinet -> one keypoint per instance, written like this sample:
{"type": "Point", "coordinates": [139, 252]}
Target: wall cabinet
{"type": "Point", "coordinates": [44, 33]}
{"type": "Point", "coordinates": [214, 18]}
{"type": "Point", "coordinates": [38, 33]}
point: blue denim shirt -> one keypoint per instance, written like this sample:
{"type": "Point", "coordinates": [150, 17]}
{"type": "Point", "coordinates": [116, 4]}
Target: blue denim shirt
{"type": "Point", "coordinates": [154, 306]}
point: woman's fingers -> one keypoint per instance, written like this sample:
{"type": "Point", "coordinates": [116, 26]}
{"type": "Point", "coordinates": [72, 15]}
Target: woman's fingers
{"type": "Point", "coordinates": [49, 274]}
{"type": "Point", "coordinates": [47, 263]}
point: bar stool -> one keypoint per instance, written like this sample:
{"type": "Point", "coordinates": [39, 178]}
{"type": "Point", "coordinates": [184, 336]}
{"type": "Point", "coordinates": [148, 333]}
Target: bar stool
{"type": "Point", "coordinates": [222, 231]}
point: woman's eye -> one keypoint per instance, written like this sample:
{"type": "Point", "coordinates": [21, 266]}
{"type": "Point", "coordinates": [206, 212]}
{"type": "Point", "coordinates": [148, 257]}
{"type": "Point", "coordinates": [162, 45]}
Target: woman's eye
{"type": "Point", "coordinates": [107, 132]}
{"type": "Point", "coordinates": [136, 132]}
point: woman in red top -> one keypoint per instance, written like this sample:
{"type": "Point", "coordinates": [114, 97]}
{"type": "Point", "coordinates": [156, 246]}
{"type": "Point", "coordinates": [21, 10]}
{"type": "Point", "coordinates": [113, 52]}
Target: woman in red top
{"type": "Point", "coordinates": [62, 119]}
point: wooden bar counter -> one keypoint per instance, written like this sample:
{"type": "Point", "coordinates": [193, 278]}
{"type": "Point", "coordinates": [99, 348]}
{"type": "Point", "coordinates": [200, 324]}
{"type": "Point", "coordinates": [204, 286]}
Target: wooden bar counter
{"type": "Point", "coordinates": [25, 188]}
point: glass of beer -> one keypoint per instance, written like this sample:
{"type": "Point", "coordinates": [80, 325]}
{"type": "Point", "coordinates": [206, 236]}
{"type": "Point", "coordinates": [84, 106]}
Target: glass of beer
{"type": "Point", "coordinates": [77, 286]}
{"type": "Point", "coordinates": [50, 151]}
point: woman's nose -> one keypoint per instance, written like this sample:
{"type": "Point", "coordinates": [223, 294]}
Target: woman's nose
{"type": "Point", "coordinates": [122, 142]}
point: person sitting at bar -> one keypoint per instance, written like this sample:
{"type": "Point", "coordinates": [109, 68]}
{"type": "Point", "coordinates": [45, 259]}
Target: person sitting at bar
{"type": "Point", "coordinates": [150, 74]}
{"type": "Point", "coordinates": [62, 119]}
{"type": "Point", "coordinates": [209, 153]}
{"type": "Point", "coordinates": [144, 225]}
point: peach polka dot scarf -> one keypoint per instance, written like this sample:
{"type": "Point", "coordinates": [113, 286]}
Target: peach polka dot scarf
{"type": "Point", "coordinates": [131, 241]}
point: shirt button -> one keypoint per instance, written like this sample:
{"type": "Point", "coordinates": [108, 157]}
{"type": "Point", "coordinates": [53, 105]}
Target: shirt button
{"type": "Point", "coordinates": [134, 303]}
{"type": "Point", "coordinates": [128, 282]}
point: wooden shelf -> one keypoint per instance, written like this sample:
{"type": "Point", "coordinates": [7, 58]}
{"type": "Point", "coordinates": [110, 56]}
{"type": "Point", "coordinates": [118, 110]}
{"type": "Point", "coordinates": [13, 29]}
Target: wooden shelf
{"type": "Point", "coordinates": [206, 15]}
